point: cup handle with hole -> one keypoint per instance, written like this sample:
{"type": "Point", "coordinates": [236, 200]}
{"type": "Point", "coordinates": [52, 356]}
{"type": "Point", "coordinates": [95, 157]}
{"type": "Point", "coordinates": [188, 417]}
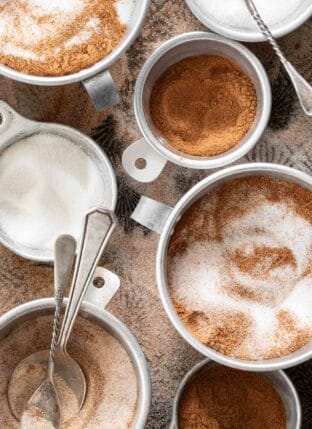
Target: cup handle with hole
{"type": "Point", "coordinates": [102, 90]}
{"type": "Point", "coordinates": [151, 214]}
{"type": "Point", "coordinates": [101, 296]}
{"type": "Point", "coordinates": [12, 123]}
{"type": "Point", "coordinates": [155, 163]}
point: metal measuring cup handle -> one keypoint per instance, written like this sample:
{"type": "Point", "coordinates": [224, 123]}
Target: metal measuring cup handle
{"type": "Point", "coordinates": [102, 90]}
{"type": "Point", "coordinates": [98, 226]}
{"type": "Point", "coordinates": [154, 162]}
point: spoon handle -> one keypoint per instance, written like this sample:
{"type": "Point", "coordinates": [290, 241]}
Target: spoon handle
{"type": "Point", "coordinates": [98, 226]}
{"type": "Point", "coordinates": [64, 255]}
{"type": "Point", "coordinates": [302, 87]}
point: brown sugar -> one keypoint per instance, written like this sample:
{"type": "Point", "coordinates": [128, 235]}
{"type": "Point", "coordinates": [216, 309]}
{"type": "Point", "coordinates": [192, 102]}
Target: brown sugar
{"type": "Point", "coordinates": [66, 45]}
{"type": "Point", "coordinates": [220, 397]}
{"type": "Point", "coordinates": [204, 105]}
{"type": "Point", "coordinates": [239, 268]}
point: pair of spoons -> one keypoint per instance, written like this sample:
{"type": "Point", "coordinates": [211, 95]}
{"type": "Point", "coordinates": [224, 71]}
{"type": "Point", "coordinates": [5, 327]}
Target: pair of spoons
{"type": "Point", "coordinates": [98, 226]}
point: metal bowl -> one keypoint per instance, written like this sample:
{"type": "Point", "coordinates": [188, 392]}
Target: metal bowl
{"type": "Point", "coordinates": [96, 78]}
{"type": "Point", "coordinates": [109, 324]}
{"type": "Point", "coordinates": [13, 128]}
{"type": "Point", "coordinates": [282, 28]}
{"type": "Point", "coordinates": [163, 219]}
{"type": "Point", "coordinates": [180, 47]}
{"type": "Point", "coordinates": [279, 379]}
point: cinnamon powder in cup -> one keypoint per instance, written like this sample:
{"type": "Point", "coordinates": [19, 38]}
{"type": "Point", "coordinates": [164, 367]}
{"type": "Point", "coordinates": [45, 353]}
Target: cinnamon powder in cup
{"type": "Point", "coordinates": [58, 37]}
{"type": "Point", "coordinates": [221, 397]}
{"type": "Point", "coordinates": [204, 105]}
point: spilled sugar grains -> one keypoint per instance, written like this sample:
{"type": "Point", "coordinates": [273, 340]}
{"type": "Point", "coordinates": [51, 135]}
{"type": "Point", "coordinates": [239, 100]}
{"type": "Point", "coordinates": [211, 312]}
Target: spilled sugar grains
{"type": "Point", "coordinates": [239, 271]}
{"type": "Point", "coordinates": [219, 397]}
{"type": "Point", "coordinates": [112, 384]}
{"type": "Point", "coordinates": [204, 105]}
{"type": "Point", "coordinates": [45, 38]}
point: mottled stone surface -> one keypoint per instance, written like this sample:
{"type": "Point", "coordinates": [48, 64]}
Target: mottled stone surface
{"type": "Point", "coordinates": [132, 255]}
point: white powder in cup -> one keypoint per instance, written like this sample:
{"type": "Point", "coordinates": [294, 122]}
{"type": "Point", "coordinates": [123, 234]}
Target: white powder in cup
{"type": "Point", "coordinates": [235, 13]}
{"type": "Point", "coordinates": [47, 183]}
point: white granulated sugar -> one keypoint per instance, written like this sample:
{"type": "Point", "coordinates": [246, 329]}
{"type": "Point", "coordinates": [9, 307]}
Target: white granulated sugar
{"type": "Point", "coordinates": [235, 13]}
{"type": "Point", "coordinates": [83, 36]}
{"type": "Point", "coordinates": [67, 6]}
{"type": "Point", "coordinates": [125, 10]}
{"type": "Point", "coordinates": [199, 277]}
{"type": "Point", "coordinates": [46, 185]}
{"type": "Point", "coordinates": [19, 40]}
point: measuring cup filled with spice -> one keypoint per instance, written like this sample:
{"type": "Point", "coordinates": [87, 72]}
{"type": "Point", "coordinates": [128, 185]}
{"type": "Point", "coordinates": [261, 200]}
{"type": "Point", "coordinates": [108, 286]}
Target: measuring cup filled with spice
{"type": "Point", "coordinates": [201, 101]}
{"type": "Point", "coordinates": [119, 387]}
{"type": "Point", "coordinates": [233, 265]}
{"type": "Point", "coordinates": [212, 396]}
{"type": "Point", "coordinates": [50, 176]}
{"type": "Point", "coordinates": [70, 41]}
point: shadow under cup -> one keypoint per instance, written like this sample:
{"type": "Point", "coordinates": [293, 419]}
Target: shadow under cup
{"type": "Point", "coordinates": [190, 45]}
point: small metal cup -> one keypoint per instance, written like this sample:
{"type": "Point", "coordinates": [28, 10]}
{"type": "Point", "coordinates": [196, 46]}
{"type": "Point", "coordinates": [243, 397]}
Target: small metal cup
{"type": "Point", "coordinates": [92, 309]}
{"type": "Point", "coordinates": [163, 220]}
{"type": "Point", "coordinates": [279, 379]}
{"type": "Point", "coordinates": [153, 148]}
{"type": "Point", "coordinates": [96, 79]}
{"type": "Point", "coordinates": [280, 29]}
{"type": "Point", "coordinates": [14, 128]}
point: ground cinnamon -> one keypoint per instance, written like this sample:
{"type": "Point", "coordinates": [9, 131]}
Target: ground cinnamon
{"type": "Point", "coordinates": [204, 105]}
{"type": "Point", "coordinates": [223, 398]}
{"type": "Point", "coordinates": [58, 43]}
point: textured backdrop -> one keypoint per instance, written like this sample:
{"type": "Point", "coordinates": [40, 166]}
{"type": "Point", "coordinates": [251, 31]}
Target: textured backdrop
{"type": "Point", "coordinates": [132, 250]}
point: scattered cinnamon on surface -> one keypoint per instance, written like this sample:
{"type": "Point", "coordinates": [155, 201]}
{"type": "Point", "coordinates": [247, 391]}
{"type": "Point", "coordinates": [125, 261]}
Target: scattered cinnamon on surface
{"type": "Point", "coordinates": [224, 398]}
{"type": "Point", "coordinates": [204, 105]}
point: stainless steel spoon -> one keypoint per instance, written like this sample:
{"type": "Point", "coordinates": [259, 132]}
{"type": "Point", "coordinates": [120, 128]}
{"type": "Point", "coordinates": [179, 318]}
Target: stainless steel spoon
{"type": "Point", "coordinates": [302, 87]}
{"type": "Point", "coordinates": [45, 398]}
{"type": "Point", "coordinates": [98, 227]}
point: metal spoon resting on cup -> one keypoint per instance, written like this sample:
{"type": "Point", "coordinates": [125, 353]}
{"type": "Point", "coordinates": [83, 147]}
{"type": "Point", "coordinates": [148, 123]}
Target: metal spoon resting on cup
{"type": "Point", "coordinates": [302, 87]}
{"type": "Point", "coordinates": [45, 399]}
{"type": "Point", "coordinates": [98, 226]}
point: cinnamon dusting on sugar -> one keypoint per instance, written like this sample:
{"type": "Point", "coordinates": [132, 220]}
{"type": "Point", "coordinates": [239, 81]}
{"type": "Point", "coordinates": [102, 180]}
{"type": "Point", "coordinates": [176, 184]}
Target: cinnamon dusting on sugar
{"type": "Point", "coordinates": [239, 269]}
{"type": "Point", "coordinates": [44, 38]}
{"type": "Point", "coordinates": [112, 383]}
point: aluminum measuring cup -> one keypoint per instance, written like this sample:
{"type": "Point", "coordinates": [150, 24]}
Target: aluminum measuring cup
{"type": "Point", "coordinates": [280, 29]}
{"type": "Point", "coordinates": [96, 79]}
{"type": "Point", "coordinates": [92, 309]}
{"type": "Point", "coordinates": [279, 379]}
{"type": "Point", "coordinates": [14, 127]}
{"type": "Point", "coordinates": [163, 219]}
{"type": "Point", "coordinates": [152, 147]}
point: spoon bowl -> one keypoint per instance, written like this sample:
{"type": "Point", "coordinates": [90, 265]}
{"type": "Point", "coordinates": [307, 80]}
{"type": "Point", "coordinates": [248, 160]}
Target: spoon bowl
{"type": "Point", "coordinates": [45, 399]}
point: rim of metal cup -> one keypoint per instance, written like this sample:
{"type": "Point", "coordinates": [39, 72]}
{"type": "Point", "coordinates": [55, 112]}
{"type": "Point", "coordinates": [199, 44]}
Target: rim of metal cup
{"type": "Point", "coordinates": [141, 9]}
{"type": "Point", "coordinates": [291, 392]}
{"type": "Point", "coordinates": [230, 173]}
{"type": "Point", "coordinates": [248, 36]}
{"type": "Point", "coordinates": [26, 128]}
{"type": "Point", "coordinates": [101, 317]}
{"type": "Point", "coordinates": [238, 151]}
